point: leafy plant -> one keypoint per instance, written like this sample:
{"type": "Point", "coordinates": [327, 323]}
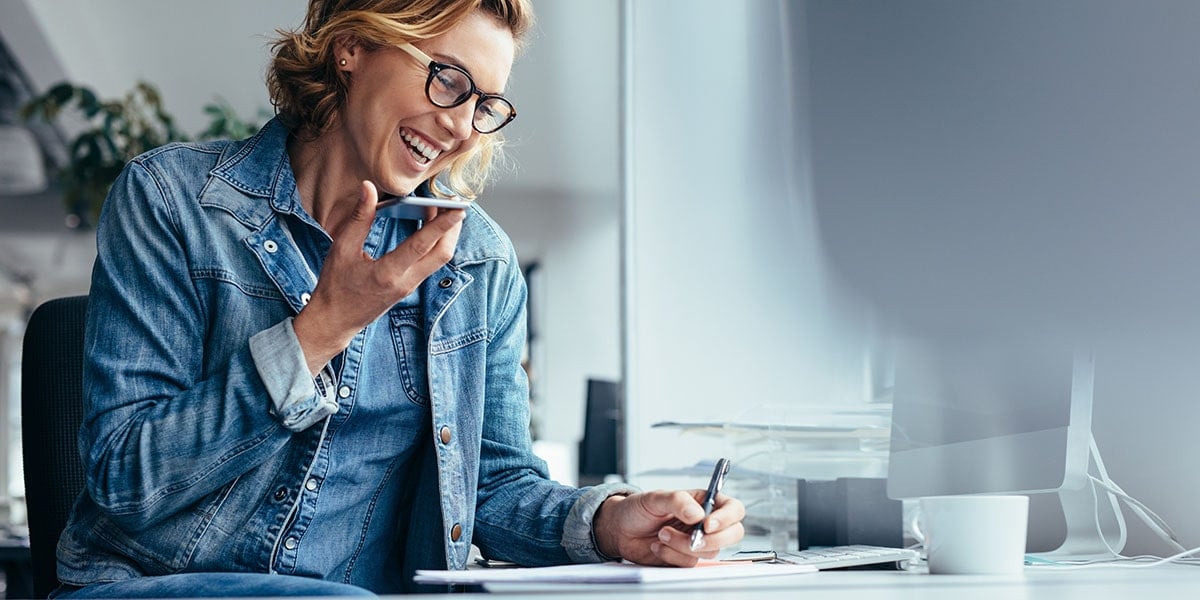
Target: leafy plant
{"type": "Point", "coordinates": [115, 132]}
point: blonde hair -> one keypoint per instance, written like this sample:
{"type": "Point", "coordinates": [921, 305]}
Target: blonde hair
{"type": "Point", "coordinates": [308, 90]}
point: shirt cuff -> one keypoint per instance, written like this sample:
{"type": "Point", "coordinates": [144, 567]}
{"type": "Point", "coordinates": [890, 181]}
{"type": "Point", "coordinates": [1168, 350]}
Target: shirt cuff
{"type": "Point", "coordinates": [298, 399]}
{"type": "Point", "coordinates": [577, 537]}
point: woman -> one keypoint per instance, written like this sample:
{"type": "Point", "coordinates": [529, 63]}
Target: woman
{"type": "Point", "coordinates": [288, 394]}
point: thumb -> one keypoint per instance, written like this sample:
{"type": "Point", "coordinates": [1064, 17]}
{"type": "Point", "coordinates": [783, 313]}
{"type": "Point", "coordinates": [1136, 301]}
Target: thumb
{"type": "Point", "coordinates": [358, 224]}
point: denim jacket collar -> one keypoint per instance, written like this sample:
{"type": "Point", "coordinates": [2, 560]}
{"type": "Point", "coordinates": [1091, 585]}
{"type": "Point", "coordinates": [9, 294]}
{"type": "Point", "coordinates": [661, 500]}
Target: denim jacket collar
{"type": "Point", "coordinates": [258, 168]}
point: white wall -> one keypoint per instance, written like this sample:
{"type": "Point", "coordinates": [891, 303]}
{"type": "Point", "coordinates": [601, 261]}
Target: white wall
{"type": "Point", "coordinates": [731, 308]}
{"type": "Point", "coordinates": [1029, 166]}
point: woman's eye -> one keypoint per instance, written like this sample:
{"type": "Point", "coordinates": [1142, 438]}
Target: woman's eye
{"type": "Point", "coordinates": [447, 80]}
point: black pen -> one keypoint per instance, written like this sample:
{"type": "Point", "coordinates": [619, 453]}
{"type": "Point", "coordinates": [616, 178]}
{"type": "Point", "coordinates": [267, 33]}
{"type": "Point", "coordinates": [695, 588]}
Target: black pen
{"type": "Point", "coordinates": [710, 497]}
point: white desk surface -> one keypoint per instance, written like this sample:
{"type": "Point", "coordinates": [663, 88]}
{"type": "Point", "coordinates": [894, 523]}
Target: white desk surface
{"type": "Point", "coordinates": [1157, 583]}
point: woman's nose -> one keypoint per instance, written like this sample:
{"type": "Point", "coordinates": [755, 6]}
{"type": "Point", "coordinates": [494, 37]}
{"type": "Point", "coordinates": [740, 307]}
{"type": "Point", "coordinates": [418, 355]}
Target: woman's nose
{"type": "Point", "coordinates": [458, 120]}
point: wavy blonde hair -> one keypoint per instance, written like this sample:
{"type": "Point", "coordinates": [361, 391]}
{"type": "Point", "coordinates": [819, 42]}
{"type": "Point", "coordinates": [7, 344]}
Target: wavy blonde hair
{"type": "Point", "coordinates": [308, 90]}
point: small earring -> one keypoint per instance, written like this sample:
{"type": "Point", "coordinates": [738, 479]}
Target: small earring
{"type": "Point", "coordinates": [342, 62]}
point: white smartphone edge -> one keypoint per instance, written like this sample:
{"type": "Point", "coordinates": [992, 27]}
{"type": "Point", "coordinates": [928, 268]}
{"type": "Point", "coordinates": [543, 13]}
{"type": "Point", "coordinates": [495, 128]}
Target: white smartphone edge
{"type": "Point", "coordinates": [435, 202]}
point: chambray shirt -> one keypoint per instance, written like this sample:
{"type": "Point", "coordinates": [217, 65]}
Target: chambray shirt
{"type": "Point", "coordinates": [207, 444]}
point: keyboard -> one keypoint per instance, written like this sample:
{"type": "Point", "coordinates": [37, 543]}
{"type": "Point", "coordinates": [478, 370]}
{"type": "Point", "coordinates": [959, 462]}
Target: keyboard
{"type": "Point", "coordinates": [837, 557]}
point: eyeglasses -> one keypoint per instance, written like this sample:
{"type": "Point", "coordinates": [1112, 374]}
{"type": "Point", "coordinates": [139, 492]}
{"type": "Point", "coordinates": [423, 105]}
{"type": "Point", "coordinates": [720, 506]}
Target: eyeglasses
{"type": "Point", "coordinates": [449, 86]}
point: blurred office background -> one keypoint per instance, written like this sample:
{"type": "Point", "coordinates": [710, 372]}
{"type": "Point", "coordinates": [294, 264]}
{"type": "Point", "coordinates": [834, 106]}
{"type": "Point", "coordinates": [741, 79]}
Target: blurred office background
{"type": "Point", "coordinates": [732, 207]}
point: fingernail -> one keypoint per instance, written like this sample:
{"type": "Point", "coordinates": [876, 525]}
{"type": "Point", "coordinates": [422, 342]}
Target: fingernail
{"type": "Point", "coordinates": [713, 525]}
{"type": "Point", "coordinates": [655, 547]}
{"type": "Point", "coordinates": [694, 514]}
{"type": "Point", "coordinates": [664, 535]}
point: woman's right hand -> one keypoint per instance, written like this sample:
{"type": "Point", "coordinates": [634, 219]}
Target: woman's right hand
{"type": "Point", "coordinates": [354, 289]}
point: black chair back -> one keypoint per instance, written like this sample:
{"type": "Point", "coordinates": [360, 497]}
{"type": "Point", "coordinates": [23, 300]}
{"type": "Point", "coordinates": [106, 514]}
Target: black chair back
{"type": "Point", "coordinates": [51, 413]}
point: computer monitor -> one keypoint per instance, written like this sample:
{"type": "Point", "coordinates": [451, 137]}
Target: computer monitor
{"type": "Point", "coordinates": [988, 417]}
{"type": "Point", "coordinates": [598, 456]}
{"type": "Point", "coordinates": [1000, 415]}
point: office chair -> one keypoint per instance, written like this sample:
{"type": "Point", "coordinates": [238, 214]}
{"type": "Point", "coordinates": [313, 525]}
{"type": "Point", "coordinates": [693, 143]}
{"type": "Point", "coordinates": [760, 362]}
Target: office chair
{"type": "Point", "coordinates": [51, 412]}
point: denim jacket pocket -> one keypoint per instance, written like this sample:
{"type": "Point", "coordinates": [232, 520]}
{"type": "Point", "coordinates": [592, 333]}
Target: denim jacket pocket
{"type": "Point", "coordinates": [411, 354]}
{"type": "Point", "coordinates": [165, 548]}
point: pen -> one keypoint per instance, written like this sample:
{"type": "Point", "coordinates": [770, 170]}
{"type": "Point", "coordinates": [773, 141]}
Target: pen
{"type": "Point", "coordinates": [714, 486]}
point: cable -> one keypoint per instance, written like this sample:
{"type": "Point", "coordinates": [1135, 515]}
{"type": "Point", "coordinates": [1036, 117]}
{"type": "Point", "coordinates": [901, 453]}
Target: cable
{"type": "Point", "coordinates": [1143, 512]}
{"type": "Point", "coordinates": [1176, 558]}
{"type": "Point", "coordinates": [1156, 523]}
{"type": "Point", "coordinates": [1122, 532]}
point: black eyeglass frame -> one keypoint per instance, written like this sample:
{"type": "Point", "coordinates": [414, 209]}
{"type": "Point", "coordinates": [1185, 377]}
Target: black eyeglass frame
{"type": "Point", "coordinates": [436, 67]}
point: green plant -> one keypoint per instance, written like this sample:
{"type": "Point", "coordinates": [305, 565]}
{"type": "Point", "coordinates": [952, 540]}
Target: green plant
{"type": "Point", "coordinates": [115, 131]}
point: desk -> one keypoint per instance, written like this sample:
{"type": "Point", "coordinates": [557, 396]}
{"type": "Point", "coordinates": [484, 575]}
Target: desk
{"type": "Point", "coordinates": [1158, 583]}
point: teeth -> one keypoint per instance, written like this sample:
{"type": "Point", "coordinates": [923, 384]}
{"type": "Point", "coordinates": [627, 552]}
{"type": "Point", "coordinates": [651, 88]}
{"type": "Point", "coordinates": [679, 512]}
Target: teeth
{"type": "Point", "coordinates": [420, 146]}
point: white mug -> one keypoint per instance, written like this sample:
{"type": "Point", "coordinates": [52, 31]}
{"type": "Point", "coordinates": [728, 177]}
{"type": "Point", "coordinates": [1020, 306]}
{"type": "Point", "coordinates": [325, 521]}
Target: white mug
{"type": "Point", "coordinates": [982, 535]}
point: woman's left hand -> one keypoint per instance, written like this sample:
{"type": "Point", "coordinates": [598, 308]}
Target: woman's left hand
{"type": "Point", "coordinates": [655, 528]}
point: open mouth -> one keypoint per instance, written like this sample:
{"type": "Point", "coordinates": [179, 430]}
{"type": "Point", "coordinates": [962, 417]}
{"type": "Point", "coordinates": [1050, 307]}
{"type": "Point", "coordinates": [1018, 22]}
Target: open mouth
{"type": "Point", "coordinates": [424, 153]}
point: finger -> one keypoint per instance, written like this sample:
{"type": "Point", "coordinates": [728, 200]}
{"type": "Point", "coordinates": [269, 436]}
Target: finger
{"type": "Point", "coordinates": [682, 541]}
{"type": "Point", "coordinates": [670, 555]}
{"type": "Point", "coordinates": [713, 542]}
{"type": "Point", "coordinates": [727, 511]}
{"type": "Point", "coordinates": [413, 251]}
{"type": "Point", "coordinates": [350, 234]}
{"type": "Point", "coordinates": [678, 504]}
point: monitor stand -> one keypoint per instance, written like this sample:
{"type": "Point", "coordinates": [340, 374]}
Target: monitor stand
{"type": "Point", "coordinates": [1095, 524]}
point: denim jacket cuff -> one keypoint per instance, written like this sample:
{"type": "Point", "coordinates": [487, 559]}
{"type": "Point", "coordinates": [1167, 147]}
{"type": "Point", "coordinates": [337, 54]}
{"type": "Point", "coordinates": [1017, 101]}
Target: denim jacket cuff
{"type": "Point", "coordinates": [577, 539]}
{"type": "Point", "coordinates": [298, 399]}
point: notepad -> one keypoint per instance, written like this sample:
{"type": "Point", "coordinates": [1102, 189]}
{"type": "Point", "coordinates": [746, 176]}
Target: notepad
{"type": "Point", "coordinates": [611, 573]}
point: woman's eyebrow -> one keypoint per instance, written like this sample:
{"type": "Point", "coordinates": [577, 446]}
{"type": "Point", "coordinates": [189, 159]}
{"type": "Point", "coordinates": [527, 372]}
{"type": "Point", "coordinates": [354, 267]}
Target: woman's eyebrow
{"type": "Point", "coordinates": [450, 59]}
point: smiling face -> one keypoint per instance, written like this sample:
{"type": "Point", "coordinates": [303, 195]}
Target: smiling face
{"type": "Point", "coordinates": [390, 133]}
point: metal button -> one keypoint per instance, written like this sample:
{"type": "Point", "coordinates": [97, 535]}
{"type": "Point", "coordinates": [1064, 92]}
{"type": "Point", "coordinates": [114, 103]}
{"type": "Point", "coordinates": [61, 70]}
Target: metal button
{"type": "Point", "coordinates": [270, 246]}
{"type": "Point", "coordinates": [305, 297]}
{"type": "Point", "coordinates": [344, 391]}
{"type": "Point", "coordinates": [290, 543]}
{"type": "Point", "coordinates": [281, 493]}
{"type": "Point", "coordinates": [445, 283]}
{"type": "Point", "coordinates": [311, 485]}
{"type": "Point", "coordinates": [455, 532]}
{"type": "Point", "coordinates": [445, 434]}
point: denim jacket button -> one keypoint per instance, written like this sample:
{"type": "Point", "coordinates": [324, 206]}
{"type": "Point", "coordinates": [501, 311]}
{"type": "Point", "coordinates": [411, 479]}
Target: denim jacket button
{"type": "Point", "coordinates": [311, 485]}
{"type": "Point", "coordinates": [445, 283]}
{"type": "Point", "coordinates": [344, 391]}
{"type": "Point", "coordinates": [445, 434]}
{"type": "Point", "coordinates": [270, 246]}
{"type": "Point", "coordinates": [281, 493]}
{"type": "Point", "coordinates": [455, 532]}
{"type": "Point", "coordinates": [290, 543]}
{"type": "Point", "coordinates": [304, 298]}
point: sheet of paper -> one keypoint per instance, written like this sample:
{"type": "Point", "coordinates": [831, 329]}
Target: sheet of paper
{"type": "Point", "coordinates": [611, 573]}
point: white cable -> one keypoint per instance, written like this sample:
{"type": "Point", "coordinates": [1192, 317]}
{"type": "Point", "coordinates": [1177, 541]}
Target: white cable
{"type": "Point", "coordinates": [1143, 512]}
{"type": "Point", "coordinates": [1100, 528]}
{"type": "Point", "coordinates": [1122, 532]}
{"type": "Point", "coordinates": [1124, 565]}
{"type": "Point", "coordinates": [1156, 523]}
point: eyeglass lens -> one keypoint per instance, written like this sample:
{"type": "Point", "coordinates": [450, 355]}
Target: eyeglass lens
{"type": "Point", "coordinates": [450, 86]}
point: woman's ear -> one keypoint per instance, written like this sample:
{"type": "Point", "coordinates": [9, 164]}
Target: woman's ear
{"type": "Point", "coordinates": [346, 51]}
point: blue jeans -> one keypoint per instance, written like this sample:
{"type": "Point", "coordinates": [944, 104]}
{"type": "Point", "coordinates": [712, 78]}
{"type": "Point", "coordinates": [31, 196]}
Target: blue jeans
{"type": "Point", "coordinates": [212, 585]}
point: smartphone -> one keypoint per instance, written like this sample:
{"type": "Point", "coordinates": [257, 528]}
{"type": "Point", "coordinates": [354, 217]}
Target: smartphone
{"type": "Point", "coordinates": [413, 207]}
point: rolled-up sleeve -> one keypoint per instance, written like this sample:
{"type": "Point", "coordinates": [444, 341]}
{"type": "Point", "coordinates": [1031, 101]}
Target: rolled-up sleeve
{"type": "Point", "coordinates": [577, 539]}
{"type": "Point", "coordinates": [298, 399]}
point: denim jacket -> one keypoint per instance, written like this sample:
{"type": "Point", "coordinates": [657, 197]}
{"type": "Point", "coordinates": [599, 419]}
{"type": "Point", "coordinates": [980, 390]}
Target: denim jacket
{"type": "Point", "coordinates": [203, 425]}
